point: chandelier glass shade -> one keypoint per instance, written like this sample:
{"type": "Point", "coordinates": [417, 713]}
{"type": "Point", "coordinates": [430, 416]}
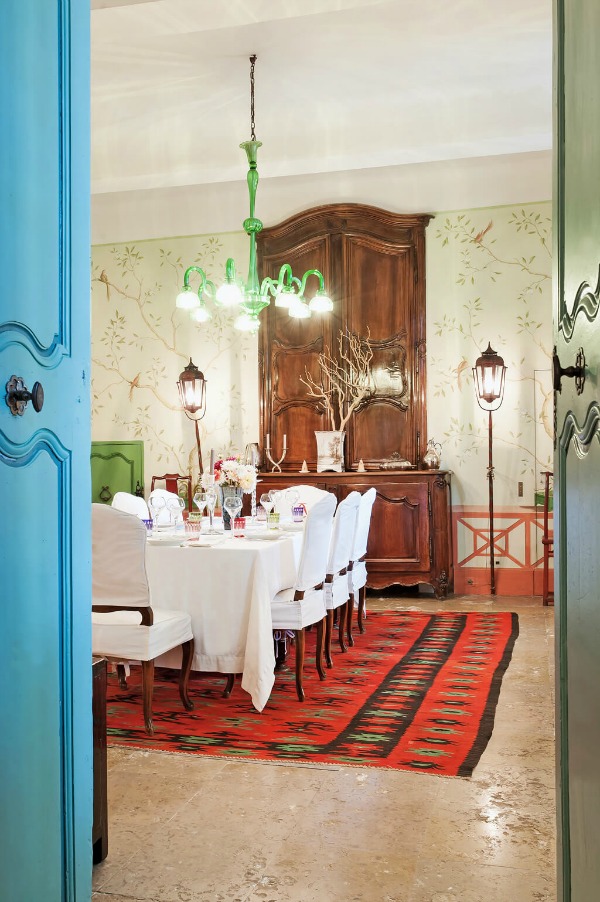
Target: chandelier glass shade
{"type": "Point", "coordinates": [253, 295]}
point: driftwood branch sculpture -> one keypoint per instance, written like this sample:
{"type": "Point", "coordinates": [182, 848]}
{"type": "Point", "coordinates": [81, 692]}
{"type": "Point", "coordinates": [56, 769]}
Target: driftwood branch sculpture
{"type": "Point", "coordinates": [344, 381]}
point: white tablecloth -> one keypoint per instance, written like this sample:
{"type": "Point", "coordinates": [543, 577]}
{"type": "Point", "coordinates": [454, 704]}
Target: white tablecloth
{"type": "Point", "coordinates": [227, 589]}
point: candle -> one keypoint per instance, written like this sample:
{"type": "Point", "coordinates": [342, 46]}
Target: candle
{"type": "Point", "coordinates": [212, 461]}
{"type": "Point", "coordinates": [284, 442]}
{"type": "Point", "coordinates": [268, 441]}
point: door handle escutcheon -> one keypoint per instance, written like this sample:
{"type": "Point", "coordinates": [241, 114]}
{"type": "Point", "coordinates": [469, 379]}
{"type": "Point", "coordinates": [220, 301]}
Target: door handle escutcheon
{"type": "Point", "coordinates": [17, 396]}
{"type": "Point", "coordinates": [576, 372]}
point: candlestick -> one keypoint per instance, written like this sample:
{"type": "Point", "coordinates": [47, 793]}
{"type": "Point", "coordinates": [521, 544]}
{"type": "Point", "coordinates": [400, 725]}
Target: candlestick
{"type": "Point", "coordinates": [276, 463]}
{"type": "Point", "coordinates": [212, 460]}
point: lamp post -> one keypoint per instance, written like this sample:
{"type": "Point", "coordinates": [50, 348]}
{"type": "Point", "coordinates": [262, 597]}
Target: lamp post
{"type": "Point", "coordinates": [489, 375]}
{"type": "Point", "coordinates": [192, 394]}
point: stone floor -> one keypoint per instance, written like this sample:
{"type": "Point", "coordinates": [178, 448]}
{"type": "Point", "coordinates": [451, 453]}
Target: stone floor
{"type": "Point", "coordinates": [187, 829]}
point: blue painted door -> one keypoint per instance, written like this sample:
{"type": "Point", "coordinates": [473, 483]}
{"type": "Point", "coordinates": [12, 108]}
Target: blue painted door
{"type": "Point", "coordinates": [577, 462]}
{"type": "Point", "coordinates": [45, 645]}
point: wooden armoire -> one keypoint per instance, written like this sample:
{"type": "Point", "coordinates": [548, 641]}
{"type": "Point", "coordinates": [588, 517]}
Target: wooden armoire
{"type": "Point", "coordinates": [373, 262]}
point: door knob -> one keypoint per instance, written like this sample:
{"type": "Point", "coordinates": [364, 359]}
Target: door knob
{"type": "Point", "coordinates": [576, 372]}
{"type": "Point", "coordinates": [17, 396]}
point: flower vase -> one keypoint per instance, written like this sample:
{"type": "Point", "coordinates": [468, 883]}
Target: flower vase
{"type": "Point", "coordinates": [227, 491]}
{"type": "Point", "coordinates": [330, 451]}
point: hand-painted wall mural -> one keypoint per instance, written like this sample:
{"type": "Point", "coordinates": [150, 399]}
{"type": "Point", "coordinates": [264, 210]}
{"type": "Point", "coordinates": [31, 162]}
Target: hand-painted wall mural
{"type": "Point", "coordinates": [488, 280]}
{"type": "Point", "coordinates": [141, 343]}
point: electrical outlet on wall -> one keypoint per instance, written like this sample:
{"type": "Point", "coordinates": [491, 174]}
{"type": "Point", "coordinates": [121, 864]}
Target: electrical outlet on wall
{"type": "Point", "coordinates": [520, 489]}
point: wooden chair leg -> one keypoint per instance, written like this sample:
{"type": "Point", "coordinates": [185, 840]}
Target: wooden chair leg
{"type": "Point", "coordinates": [187, 650]}
{"type": "Point", "coordinates": [362, 593]}
{"type": "Point", "coordinates": [147, 690]}
{"type": "Point", "coordinates": [342, 627]}
{"type": "Point", "coordinates": [229, 685]}
{"type": "Point", "coordinates": [121, 676]}
{"type": "Point", "coordinates": [349, 614]}
{"type": "Point", "coordinates": [328, 632]}
{"type": "Point", "coordinates": [320, 636]}
{"type": "Point", "coordinates": [299, 634]}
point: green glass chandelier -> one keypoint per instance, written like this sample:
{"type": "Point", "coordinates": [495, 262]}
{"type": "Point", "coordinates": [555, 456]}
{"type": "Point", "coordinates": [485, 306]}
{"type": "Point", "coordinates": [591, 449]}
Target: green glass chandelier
{"type": "Point", "coordinates": [253, 295]}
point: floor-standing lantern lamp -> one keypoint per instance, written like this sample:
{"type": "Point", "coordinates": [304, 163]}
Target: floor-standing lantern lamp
{"type": "Point", "coordinates": [192, 393]}
{"type": "Point", "coordinates": [488, 375]}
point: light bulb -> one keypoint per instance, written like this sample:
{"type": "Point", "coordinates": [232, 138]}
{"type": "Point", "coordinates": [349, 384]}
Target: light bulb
{"type": "Point", "coordinates": [200, 314]}
{"type": "Point", "coordinates": [299, 310]}
{"type": "Point", "coordinates": [229, 294]}
{"type": "Point", "coordinates": [247, 323]}
{"type": "Point", "coordinates": [187, 299]}
{"type": "Point", "coordinates": [321, 303]}
{"type": "Point", "coordinates": [284, 297]}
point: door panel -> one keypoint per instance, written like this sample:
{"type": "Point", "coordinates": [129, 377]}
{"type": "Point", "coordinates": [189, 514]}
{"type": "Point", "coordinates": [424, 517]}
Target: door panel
{"type": "Point", "coordinates": [45, 647]}
{"type": "Point", "coordinates": [577, 461]}
{"type": "Point", "coordinates": [116, 467]}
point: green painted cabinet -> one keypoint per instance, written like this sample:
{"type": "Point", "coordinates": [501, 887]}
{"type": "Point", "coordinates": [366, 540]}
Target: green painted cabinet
{"type": "Point", "coordinates": [116, 467]}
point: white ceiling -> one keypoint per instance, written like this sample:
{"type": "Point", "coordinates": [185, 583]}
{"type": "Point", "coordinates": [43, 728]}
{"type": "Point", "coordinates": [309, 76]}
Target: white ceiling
{"type": "Point", "coordinates": [340, 85]}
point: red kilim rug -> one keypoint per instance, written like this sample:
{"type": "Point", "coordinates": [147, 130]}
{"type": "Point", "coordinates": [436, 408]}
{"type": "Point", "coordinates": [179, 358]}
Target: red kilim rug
{"type": "Point", "coordinates": [417, 692]}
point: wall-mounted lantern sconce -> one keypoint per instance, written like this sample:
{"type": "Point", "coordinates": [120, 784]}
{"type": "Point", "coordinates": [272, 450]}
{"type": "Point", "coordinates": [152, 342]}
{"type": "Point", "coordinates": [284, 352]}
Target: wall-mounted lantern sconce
{"type": "Point", "coordinates": [192, 394]}
{"type": "Point", "coordinates": [17, 396]}
{"type": "Point", "coordinates": [489, 375]}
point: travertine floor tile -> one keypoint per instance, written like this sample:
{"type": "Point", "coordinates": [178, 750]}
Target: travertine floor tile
{"type": "Point", "coordinates": [194, 829]}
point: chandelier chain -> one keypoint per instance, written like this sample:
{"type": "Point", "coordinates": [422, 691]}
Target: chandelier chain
{"type": "Point", "coordinates": [252, 126]}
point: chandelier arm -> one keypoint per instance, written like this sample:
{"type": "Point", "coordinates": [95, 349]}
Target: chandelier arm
{"type": "Point", "coordinates": [306, 276]}
{"type": "Point", "coordinates": [201, 273]}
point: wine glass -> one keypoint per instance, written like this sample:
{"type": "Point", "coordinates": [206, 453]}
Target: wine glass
{"type": "Point", "coordinates": [233, 506]}
{"type": "Point", "coordinates": [267, 502]}
{"type": "Point", "coordinates": [175, 506]}
{"type": "Point", "coordinates": [158, 509]}
{"type": "Point", "coordinates": [211, 502]}
{"type": "Point", "coordinates": [200, 501]}
{"type": "Point", "coordinates": [291, 496]}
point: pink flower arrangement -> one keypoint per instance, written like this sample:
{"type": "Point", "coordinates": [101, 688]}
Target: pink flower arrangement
{"type": "Point", "coordinates": [230, 471]}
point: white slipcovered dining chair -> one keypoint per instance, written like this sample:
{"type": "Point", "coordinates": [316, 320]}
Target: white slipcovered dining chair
{"type": "Point", "coordinates": [308, 495]}
{"type": "Point", "coordinates": [125, 626]}
{"type": "Point", "coordinates": [303, 604]}
{"type": "Point", "coordinates": [337, 591]}
{"type": "Point", "coordinates": [166, 507]}
{"type": "Point", "coordinates": [131, 504]}
{"type": "Point", "coordinates": [357, 573]}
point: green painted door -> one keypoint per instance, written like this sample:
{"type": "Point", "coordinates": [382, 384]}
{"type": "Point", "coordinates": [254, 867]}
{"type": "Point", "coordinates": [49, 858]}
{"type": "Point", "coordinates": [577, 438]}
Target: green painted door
{"type": "Point", "coordinates": [577, 458]}
{"type": "Point", "coordinates": [45, 641]}
{"type": "Point", "coordinates": [116, 467]}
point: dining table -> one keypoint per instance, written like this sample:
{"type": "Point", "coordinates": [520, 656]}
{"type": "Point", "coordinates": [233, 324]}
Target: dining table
{"type": "Point", "coordinates": [226, 584]}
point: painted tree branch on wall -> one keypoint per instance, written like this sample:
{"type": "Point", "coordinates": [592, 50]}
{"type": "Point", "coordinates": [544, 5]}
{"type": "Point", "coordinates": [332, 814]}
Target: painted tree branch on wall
{"type": "Point", "coordinates": [501, 269]}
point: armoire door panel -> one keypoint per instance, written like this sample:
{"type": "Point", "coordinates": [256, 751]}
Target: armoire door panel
{"type": "Point", "coordinates": [378, 431]}
{"type": "Point", "coordinates": [379, 279]}
{"type": "Point", "coordinates": [400, 526]}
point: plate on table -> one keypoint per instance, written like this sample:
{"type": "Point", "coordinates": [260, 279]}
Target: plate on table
{"type": "Point", "coordinates": [204, 542]}
{"type": "Point", "coordinates": [291, 527]}
{"type": "Point", "coordinates": [266, 535]}
{"type": "Point", "coordinates": [167, 539]}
